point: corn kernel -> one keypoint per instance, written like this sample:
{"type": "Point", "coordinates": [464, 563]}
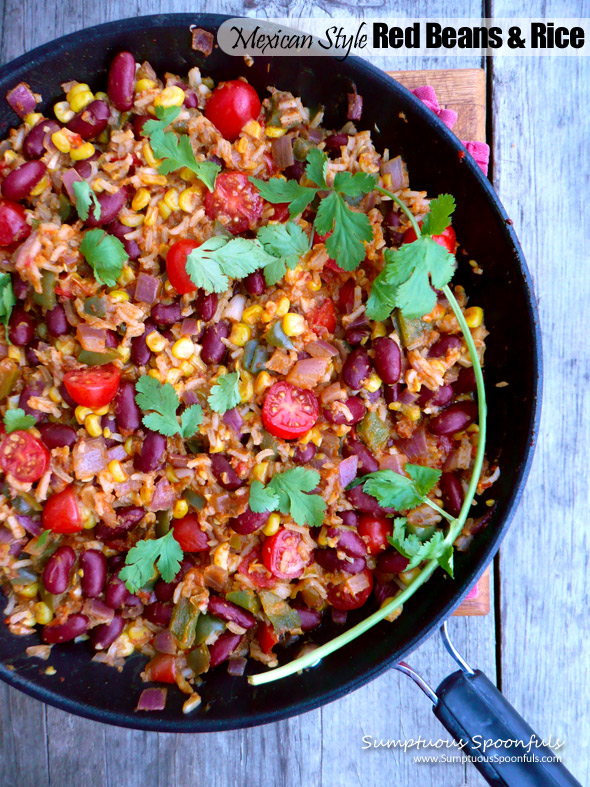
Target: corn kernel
{"type": "Point", "coordinates": [137, 633]}
{"type": "Point", "coordinates": [149, 157]}
{"type": "Point", "coordinates": [141, 199]}
{"type": "Point", "coordinates": [33, 118]}
{"type": "Point", "coordinates": [10, 156]}
{"type": "Point", "coordinates": [242, 145]}
{"type": "Point", "coordinates": [246, 386]}
{"type": "Point", "coordinates": [282, 307]}
{"type": "Point", "coordinates": [173, 376]}
{"type": "Point", "coordinates": [240, 334]}
{"type": "Point", "coordinates": [156, 342]}
{"type": "Point", "coordinates": [145, 84]}
{"type": "Point", "coordinates": [129, 446]}
{"type": "Point", "coordinates": [43, 613]}
{"type": "Point", "coordinates": [61, 142]}
{"type": "Point", "coordinates": [252, 314]}
{"type": "Point", "coordinates": [183, 348]}
{"type": "Point", "coordinates": [92, 425]}
{"type": "Point", "coordinates": [180, 509]}
{"type": "Point", "coordinates": [40, 187]}
{"type": "Point", "coordinates": [119, 295]}
{"type": "Point", "coordinates": [63, 112]}
{"type": "Point", "coordinates": [89, 520]}
{"type": "Point", "coordinates": [164, 210]}
{"type": "Point", "coordinates": [221, 556]}
{"type": "Point", "coordinates": [323, 537]}
{"type": "Point", "coordinates": [274, 132]}
{"type": "Point", "coordinates": [171, 475]}
{"type": "Point", "coordinates": [28, 591]}
{"type": "Point", "coordinates": [473, 316]}
{"type": "Point", "coordinates": [259, 471]}
{"type": "Point", "coordinates": [373, 383]}
{"type": "Point", "coordinates": [100, 96]}
{"type": "Point", "coordinates": [106, 433]}
{"type": "Point", "coordinates": [413, 412]}
{"type": "Point", "coordinates": [132, 219]}
{"type": "Point", "coordinates": [171, 96]}
{"type": "Point", "coordinates": [80, 101]}
{"type": "Point", "coordinates": [171, 199]}
{"type": "Point", "coordinates": [66, 345]}
{"type": "Point", "coordinates": [79, 87]}
{"type": "Point", "coordinates": [187, 199]}
{"type": "Point", "coordinates": [54, 394]}
{"type": "Point", "coordinates": [187, 369]}
{"type": "Point", "coordinates": [116, 470]}
{"type": "Point", "coordinates": [153, 180]}
{"type": "Point", "coordinates": [187, 175]}
{"type": "Point", "coordinates": [407, 576]}
{"type": "Point", "coordinates": [315, 283]}
{"type": "Point", "coordinates": [82, 413]}
{"type": "Point", "coordinates": [272, 525]}
{"type": "Point", "coordinates": [124, 353]}
{"type": "Point", "coordinates": [101, 410]}
{"type": "Point", "coordinates": [315, 436]}
{"type": "Point", "coordinates": [253, 128]}
{"type": "Point", "coordinates": [155, 374]}
{"type": "Point", "coordinates": [16, 353]}
{"type": "Point", "coordinates": [263, 381]}
{"type": "Point", "coordinates": [145, 495]}
{"type": "Point", "coordinates": [378, 331]}
{"type": "Point", "coordinates": [293, 324]}
{"type": "Point", "coordinates": [127, 276]}
{"type": "Point", "coordinates": [151, 216]}
{"type": "Point", "coordinates": [82, 152]}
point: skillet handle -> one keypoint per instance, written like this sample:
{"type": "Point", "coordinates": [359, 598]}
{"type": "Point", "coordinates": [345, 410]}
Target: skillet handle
{"type": "Point", "coordinates": [473, 711]}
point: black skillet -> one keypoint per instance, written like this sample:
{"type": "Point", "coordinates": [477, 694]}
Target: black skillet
{"type": "Point", "coordinates": [437, 163]}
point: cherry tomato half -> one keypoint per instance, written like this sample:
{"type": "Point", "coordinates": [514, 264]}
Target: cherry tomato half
{"type": "Point", "coordinates": [445, 239]}
{"type": "Point", "coordinates": [353, 592]}
{"type": "Point", "coordinates": [281, 212]}
{"type": "Point", "coordinates": [23, 456]}
{"type": "Point", "coordinates": [94, 386]}
{"type": "Point", "coordinates": [234, 200]}
{"type": "Point", "coordinates": [374, 531]}
{"type": "Point", "coordinates": [161, 669]}
{"type": "Point", "coordinates": [252, 568]}
{"type": "Point", "coordinates": [288, 411]}
{"type": "Point", "coordinates": [267, 637]}
{"type": "Point", "coordinates": [61, 513]}
{"type": "Point", "coordinates": [231, 105]}
{"type": "Point", "coordinates": [324, 316]}
{"type": "Point", "coordinates": [188, 533]}
{"type": "Point", "coordinates": [285, 554]}
{"type": "Point", "coordinates": [176, 266]}
{"type": "Point", "coordinates": [13, 223]}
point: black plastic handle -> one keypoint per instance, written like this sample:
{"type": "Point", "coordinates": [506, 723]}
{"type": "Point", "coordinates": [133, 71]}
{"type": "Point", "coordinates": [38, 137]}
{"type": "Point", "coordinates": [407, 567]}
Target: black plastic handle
{"type": "Point", "coordinates": [476, 714]}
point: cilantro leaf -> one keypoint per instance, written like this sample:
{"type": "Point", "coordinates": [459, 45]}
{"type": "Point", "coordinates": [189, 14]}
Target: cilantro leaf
{"type": "Point", "coordinates": [317, 167]}
{"type": "Point", "coordinates": [292, 487]}
{"type": "Point", "coordinates": [7, 299]}
{"type": "Point", "coordinates": [18, 419]}
{"type": "Point", "coordinates": [225, 394]}
{"type": "Point", "coordinates": [393, 490]}
{"type": "Point", "coordinates": [214, 262]}
{"type": "Point", "coordinates": [416, 551]}
{"type": "Point", "coordinates": [85, 197]}
{"type": "Point", "coordinates": [349, 229]}
{"type": "Point", "coordinates": [162, 399]}
{"type": "Point", "coordinates": [286, 243]}
{"type": "Point", "coordinates": [165, 115]}
{"type": "Point", "coordinates": [277, 190]}
{"type": "Point", "coordinates": [354, 185]}
{"type": "Point", "coordinates": [105, 254]}
{"type": "Point", "coordinates": [381, 300]}
{"type": "Point", "coordinates": [43, 538]}
{"type": "Point", "coordinates": [164, 552]}
{"type": "Point", "coordinates": [262, 498]}
{"type": "Point", "coordinates": [190, 420]}
{"type": "Point", "coordinates": [439, 217]}
{"type": "Point", "coordinates": [177, 152]}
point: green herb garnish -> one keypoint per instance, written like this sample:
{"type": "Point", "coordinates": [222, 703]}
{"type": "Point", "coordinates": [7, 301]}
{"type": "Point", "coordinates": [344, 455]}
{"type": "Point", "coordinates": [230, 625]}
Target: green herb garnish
{"type": "Point", "coordinates": [43, 538]}
{"type": "Point", "coordinates": [393, 490]}
{"type": "Point", "coordinates": [18, 419]}
{"type": "Point", "coordinates": [288, 493]}
{"type": "Point", "coordinates": [225, 394]}
{"type": "Point", "coordinates": [214, 262]}
{"type": "Point", "coordinates": [85, 197]}
{"type": "Point", "coordinates": [105, 254]}
{"type": "Point", "coordinates": [286, 243]}
{"type": "Point", "coordinates": [410, 546]}
{"type": "Point", "coordinates": [165, 553]}
{"type": "Point", "coordinates": [163, 402]}
{"type": "Point", "coordinates": [7, 300]}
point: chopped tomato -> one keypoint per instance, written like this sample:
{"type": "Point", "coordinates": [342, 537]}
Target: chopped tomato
{"type": "Point", "coordinates": [252, 568]}
{"type": "Point", "coordinates": [231, 105]}
{"type": "Point", "coordinates": [236, 201]}
{"type": "Point", "coordinates": [161, 669]}
{"type": "Point", "coordinates": [267, 637]}
{"type": "Point", "coordinates": [331, 264]}
{"type": "Point", "coordinates": [346, 296]}
{"type": "Point", "coordinates": [353, 592]}
{"type": "Point", "coordinates": [13, 223]}
{"type": "Point", "coordinates": [445, 239]}
{"type": "Point", "coordinates": [285, 554]}
{"type": "Point", "coordinates": [281, 212]}
{"type": "Point", "coordinates": [188, 533]}
{"type": "Point", "coordinates": [374, 531]}
{"type": "Point", "coordinates": [176, 265]}
{"type": "Point", "coordinates": [289, 412]}
{"type": "Point", "coordinates": [94, 386]}
{"type": "Point", "coordinates": [23, 456]}
{"type": "Point", "coordinates": [324, 316]}
{"type": "Point", "coordinates": [61, 513]}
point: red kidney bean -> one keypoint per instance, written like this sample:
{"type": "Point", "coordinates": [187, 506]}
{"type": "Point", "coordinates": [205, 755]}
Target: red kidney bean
{"type": "Point", "coordinates": [357, 335]}
{"type": "Point", "coordinates": [310, 618]}
{"type": "Point", "coordinates": [121, 82]}
{"type": "Point", "coordinates": [328, 559]}
{"type": "Point", "coordinates": [34, 388]}
{"type": "Point", "coordinates": [18, 184]}
{"type": "Point", "coordinates": [465, 383]}
{"type": "Point", "coordinates": [127, 413]}
{"type": "Point", "coordinates": [304, 453]}
{"type": "Point", "coordinates": [91, 121]}
{"type": "Point", "coordinates": [452, 493]}
{"type": "Point", "coordinates": [120, 231]}
{"type": "Point", "coordinates": [349, 541]}
{"type": "Point", "coordinates": [441, 398]}
{"type": "Point", "coordinates": [57, 322]}
{"type": "Point", "coordinates": [110, 207]}
{"type": "Point", "coordinates": [231, 612]}
{"type": "Point", "coordinates": [454, 419]}
{"type": "Point", "coordinates": [13, 223]}
{"type": "Point", "coordinates": [111, 339]}
{"type": "Point", "coordinates": [222, 648]}
{"type": "Point", "coordinates": [224, 473]}
{"type": "Point", "coordinates": [83, 168]}
{"type": "Point", "coordinates": [128, 517]}
{"type": "Point", "coordinates": [31, 352]}
{"type": "Point", "coordinates": [116, 594]}
{"type": "Point", "coordinates": [392, 222]}
{"type": "Point", "coordinates": [74, 626]}
{"type": "Point", "coordinates": [152, 452]}
{"type": "Point", "coordinates": [356, 369]}
{"type": "Point", "coordinates": [33, 146]}
{"type": "Point", "coordinates": [138, 122]}
{"type": "Point", "coordinates": [346, 296]}
{"type": "Point", "coordinates": [94, 573]}
{"type": "Point", "coordinates": [57, 435]}
{"type": "Point", "coordinates": [443, 345]}
{"type": "Point", "coordinates": [63, 391]}
{"type": "Point", "coordinates": [383, 591]}
{"type": "Point", "coordinates": [103, 636]}
{"type": "Point", "coordinates": [214, 350]}
{"type": "Point", "coordinates": [335, 141]}
{"type": "Point", "coordinates": [391, 562]}
{"type": "Point", "coordinates": [349, 518]}
{"type": "Point", "coordinates": [339, 616]}
{"type": "Point", "coordinates": [388, 359]}
{"type": "Point", "coordinates": [367, 462]}
{"type": "Point", "coordinates": [363, 502]}
{"type": "Point", "coordinates": [56, 574]}
{"type": "Point", "coordinates": [140, 352]}
{"type": "Point", "coordinates": [255, 283]}
{"type": "Point", "coordinates": [191, 100]}
{"type": "Point", "coordinates": [248, 522]}
{"type": "Point", "coordinates": [166, 314]}
{"type": "Point", "coordinates": [357, 411]}
{"type": "Point", "coordinates": [164, 590]}
{"type": "Point", "coordinates": [21, 327]}
{"type": "Point", "coordinates": [206, 305]}
{"type": "Point", "coordinates": [19, 287]}
{"type": "Point", "coordinates": [158, 613]}
{"type": "Point", "coordinates": [296, 170]}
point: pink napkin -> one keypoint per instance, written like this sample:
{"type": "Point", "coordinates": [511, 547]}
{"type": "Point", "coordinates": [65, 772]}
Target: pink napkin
{"type": "Point", "coordinates": [479, 150]}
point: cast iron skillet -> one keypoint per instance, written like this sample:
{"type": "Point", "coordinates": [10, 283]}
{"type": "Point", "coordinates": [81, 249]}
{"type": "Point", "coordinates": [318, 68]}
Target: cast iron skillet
{"type": "Point", "coordinates": [437, 163]}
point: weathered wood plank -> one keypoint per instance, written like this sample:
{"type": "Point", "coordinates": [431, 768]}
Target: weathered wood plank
{"type": "Point", "coordinates": [23, 732]}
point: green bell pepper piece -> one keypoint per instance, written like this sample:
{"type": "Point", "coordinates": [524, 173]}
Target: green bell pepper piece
{"type": "Point", "coordinates": [277, 337]}
{"type": "Point", "coordinates": [194, 499]}
{"type": "Point", "coordinates": [97, 359]}
{"type": "Point", "coordinates": [9, 372]}
{"type": "Point", "coordinates": [198, 659]}
{"type": "Point", "coordinates": [206, 626]}
{"type": "Point", "coordinates": [410, 331]}
{"type": "Point", "coordinates": [283, 618]}
{"type": "Point", "coordinates": [246, 599]}
{"type": "Point", "coordinates": [96, 306]}
{"type": "Point", "coordinates": [46, 299]}
{"type": "Point", "coordinates": [373, 432]}
{"type": "Point", "coordinates": [183, 623]}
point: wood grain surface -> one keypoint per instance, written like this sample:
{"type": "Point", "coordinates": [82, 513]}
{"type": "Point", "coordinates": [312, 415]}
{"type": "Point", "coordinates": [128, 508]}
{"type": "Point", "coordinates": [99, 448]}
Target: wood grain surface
{"type": "Point", "coordinates": [536, 646]}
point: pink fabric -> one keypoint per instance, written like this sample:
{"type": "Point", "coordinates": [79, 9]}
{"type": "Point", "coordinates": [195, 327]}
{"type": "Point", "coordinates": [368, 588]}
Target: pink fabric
{"type": "Point", "coordinates": [479, 150]}
{"type": "Point", "coordinates": [473, 593]}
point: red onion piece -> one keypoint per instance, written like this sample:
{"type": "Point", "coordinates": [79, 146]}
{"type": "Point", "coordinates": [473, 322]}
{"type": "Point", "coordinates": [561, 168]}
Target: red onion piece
{"type": "Point", "coordinates": [399, 174]}
{"type": "Point", "coordinates": [97, 611]}
{"type": "Point", "coordinates": [147, 288]}
{"type": "Point", "coordinates": [189, 326]}
{"type": "Point", "coordinates": [355, 106]}
{"type": "Point", "coordinates": [308, 372]}
{"type": "Point", "coordinates": [233, 419]}
{"type": "Point", "coordinates": [117, 452]}
{"type": "Point", "coordinates": [396, 462]}
{"type": "Point", "coordinates": [32, 527]}
{"type": "Point", "coordinates": [321, 349]}
{"type": "Point", "coordinates": [152, 699]}
{"type": "Point", "coordinates": [70, 177]}
{"type": "Point", "coordinates": [414, 447]}
{"type": "Point", "coordinates": [17, 547]}
{"type": "Point", "coordinates": [90, 457]}
{"type": "Point", "coordinates": [282, 152]}
{"type": "Point", "coordinates": [339, 616]}
{"type": "Point", "coordinates": [202, 41]}
{"type": "Point", "coordinates": [6, 536]}
{"type": "Point", "coordinates": [407, 397]}
{"type": "Point", "coordinates": [91, 339]}
{"type": "Point", "coordinates": [22, 99]}
{"type": "Point", "coordinates": [315, 135]}
{"type": "Point", "coordinates": [163, 497]}
{"type": "Point", "coordinates": [236, 666]}
{"type": "Point", "coordinates": [164, 642]}
{"type": "Point", "coordinates": [348, 469]}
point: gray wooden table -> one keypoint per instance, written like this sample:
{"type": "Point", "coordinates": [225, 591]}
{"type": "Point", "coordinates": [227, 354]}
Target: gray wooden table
{"type": "Point", "coordinates": [535, 640]}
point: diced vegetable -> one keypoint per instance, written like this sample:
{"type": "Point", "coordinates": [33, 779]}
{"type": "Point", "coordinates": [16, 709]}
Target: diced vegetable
{"type": "Point", "coordinates": [246, 599]}
{"type": "Point", "coordinates": [283, 617]}
{"type": "Point", "coordinates": [97, 359]}
{"type": "Point", "coordinates": [206, 626]}
{"type": "Point", "coordinates": [184, 622]}
{"type": "Point", "coordinates": [373, 432]}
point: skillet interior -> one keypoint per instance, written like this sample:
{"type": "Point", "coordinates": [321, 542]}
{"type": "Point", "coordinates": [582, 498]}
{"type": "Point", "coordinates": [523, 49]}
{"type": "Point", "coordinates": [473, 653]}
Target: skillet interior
{"type": "Point", "coordinates": [436, 164]}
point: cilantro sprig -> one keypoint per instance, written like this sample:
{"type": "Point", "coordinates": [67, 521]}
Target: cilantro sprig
{"type": "Point", "coordinates": [288, 493]}
{"type": "Point", "coordinates": [225, 394]}
{"type": "Point", "coordinates": [85, 199]}
{"type": "Point", "coordinates": [162, 401]}
{"type": "Point", "coordinates": [394, 490]}
{"type": "Point", "coordinates": [105, 254]}
{"type": "Point", "coordinates": [417, 551]}
{"type": "Point", "coordinates": [7, 300]}
{"type": "Point", "coordinates": [165, 553]}
{"type": "Point", "coordinates": [18, 419]}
